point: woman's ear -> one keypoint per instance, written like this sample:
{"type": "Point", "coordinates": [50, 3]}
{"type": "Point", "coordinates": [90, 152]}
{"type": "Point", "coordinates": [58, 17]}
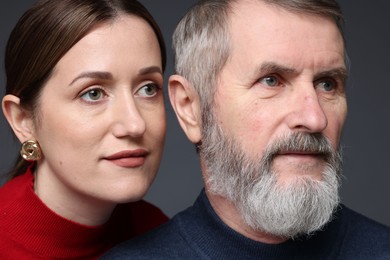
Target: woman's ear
{"type": "Point", "coordinates": [19, 120]}
{"type": "Point", "coordinates": [185, 102]}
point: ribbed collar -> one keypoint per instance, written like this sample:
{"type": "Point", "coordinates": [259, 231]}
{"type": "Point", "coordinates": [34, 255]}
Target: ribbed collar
{"type": "Point", "coordinates": [31, 223]}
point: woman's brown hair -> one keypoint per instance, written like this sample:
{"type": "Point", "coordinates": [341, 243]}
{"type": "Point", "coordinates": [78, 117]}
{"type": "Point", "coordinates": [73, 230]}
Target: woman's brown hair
{"type": "Point", "coordinates": [45, 33]}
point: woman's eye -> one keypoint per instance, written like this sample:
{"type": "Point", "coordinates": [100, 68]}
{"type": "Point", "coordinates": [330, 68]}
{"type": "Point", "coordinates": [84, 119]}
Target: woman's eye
{"type": "Point", "coordinates": [93, 95]}
{"type": "Point", "coordinates": [270, 81]}
{"type": "Point", "coordinates": [148, 90]}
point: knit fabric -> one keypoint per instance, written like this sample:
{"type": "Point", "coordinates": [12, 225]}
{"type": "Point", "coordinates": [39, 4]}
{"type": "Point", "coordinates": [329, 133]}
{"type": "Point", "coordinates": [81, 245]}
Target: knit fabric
{"type": "Point", "coordinates": [198, 233]}
{"type": "Point", "coordinates": [30, 230]}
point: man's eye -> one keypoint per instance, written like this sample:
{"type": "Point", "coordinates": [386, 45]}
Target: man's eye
{"type": "Point", "coordinates": [327, 85]}
{"type": "Point", "coordinates": [148, 90]}
{"type": "Point", "coordinates": [270, 81]}
{"type": "Point", "coordinates": [93, 95]}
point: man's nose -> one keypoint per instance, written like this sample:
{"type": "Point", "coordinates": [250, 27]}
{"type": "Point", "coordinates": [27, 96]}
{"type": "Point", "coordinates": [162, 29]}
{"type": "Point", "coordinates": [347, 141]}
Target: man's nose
{"type": "Point", "coordinates": [307, 112]}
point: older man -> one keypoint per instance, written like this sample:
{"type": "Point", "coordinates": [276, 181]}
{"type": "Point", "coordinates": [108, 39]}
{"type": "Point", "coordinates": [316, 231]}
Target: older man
{"type": "Point", "coordinates": [260, 89]}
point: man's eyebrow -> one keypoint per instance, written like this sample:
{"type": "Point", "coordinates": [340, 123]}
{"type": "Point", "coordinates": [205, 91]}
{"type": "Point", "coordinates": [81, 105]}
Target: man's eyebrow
{"type": "Point", "coordinates": [272, 67]}
{"type": "Point", "coordinates": [94, 75]}
{"type": "Point", "coordinates": [338, 73]}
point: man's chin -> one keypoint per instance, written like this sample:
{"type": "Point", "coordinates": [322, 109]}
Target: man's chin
{"type": "Point", "coordinates": [303, 206]}
{"type": "Point", "coordinates": [296, 179]}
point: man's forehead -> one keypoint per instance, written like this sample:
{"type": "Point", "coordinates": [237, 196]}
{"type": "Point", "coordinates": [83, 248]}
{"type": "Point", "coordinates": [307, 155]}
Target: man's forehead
{"type": "Point", "coordinates": [249, 12]}
{"type": "Point", "coordinates": [258, 27]}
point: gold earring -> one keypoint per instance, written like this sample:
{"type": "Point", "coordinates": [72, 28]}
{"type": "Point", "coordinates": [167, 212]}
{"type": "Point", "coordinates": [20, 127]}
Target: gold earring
{"type": "Point", "coordinates": [31, 151]}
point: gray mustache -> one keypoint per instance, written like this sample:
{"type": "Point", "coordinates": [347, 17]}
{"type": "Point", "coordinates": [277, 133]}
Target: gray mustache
{"type": "Point", "coordinates": [302, 142]}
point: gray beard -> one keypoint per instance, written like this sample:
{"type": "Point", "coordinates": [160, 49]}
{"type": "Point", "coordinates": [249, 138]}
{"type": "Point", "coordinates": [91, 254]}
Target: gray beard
{"type": "Point", "coordinates": [287, 210]}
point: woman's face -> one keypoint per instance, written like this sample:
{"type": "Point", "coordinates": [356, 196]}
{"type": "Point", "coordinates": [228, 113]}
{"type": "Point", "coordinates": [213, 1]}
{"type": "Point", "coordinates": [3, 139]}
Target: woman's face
{"type": "Point", "coordinates": [102, 118]}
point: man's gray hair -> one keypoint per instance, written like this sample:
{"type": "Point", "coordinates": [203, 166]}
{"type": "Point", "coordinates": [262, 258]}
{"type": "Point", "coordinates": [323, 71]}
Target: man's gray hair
{"type": "Point", "coordinates": [201, 41]}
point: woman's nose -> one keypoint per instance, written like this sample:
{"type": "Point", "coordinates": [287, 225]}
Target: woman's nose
{"type": "Point", "coordinates": [127, 120]}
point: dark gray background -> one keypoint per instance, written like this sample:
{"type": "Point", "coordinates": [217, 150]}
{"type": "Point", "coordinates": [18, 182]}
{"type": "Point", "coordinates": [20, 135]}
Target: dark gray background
{"type": "Point", "coordinates": [366, 137]}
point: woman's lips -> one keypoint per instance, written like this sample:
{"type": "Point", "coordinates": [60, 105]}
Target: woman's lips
{"type": "Point", "coordinates": [128, 158]}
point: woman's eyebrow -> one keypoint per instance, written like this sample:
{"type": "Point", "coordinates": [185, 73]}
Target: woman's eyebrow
{"type": "Point", "coordinates": [93, 74]}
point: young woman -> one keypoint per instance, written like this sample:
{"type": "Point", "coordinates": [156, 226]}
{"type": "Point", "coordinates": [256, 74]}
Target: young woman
{"type": "Point", "coordinates": [84, 97]}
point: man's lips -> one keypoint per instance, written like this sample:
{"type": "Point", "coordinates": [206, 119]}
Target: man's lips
{"type": "Point", "coordinates": [300, 153]}
{"type": "Point", "coordinates": [128, 158]}
{"type": "Point", "coordinates": [303, 156]}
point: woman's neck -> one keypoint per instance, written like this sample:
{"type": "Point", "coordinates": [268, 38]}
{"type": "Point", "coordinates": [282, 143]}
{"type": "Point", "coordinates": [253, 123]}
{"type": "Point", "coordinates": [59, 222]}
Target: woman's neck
{"type": "Point", "coordinates": [69, 203]}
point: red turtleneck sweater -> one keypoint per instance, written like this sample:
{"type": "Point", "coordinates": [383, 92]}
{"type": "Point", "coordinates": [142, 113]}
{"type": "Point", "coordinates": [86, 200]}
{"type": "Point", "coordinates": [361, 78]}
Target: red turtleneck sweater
{"type": "Point", "coordinates": [30, 230]}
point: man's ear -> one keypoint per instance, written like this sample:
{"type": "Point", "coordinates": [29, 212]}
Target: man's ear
{"type": "Point", "coordinates": [19, 120]}
{"type": "Point", "coordinates": [185, 102]}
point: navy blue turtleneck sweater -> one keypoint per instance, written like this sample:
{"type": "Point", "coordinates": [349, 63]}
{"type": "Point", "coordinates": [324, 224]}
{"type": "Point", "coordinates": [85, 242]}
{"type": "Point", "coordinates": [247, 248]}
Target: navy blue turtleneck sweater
{"type": "Point", "coordinates": [198, 233]}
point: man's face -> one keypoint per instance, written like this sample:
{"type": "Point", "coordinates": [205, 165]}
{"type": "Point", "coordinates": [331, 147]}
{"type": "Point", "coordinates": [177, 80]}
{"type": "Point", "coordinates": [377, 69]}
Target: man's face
{"type": "Point", "coordinates": [279, 111]}
{"type": "Point", "coordinates": [285, 74]}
